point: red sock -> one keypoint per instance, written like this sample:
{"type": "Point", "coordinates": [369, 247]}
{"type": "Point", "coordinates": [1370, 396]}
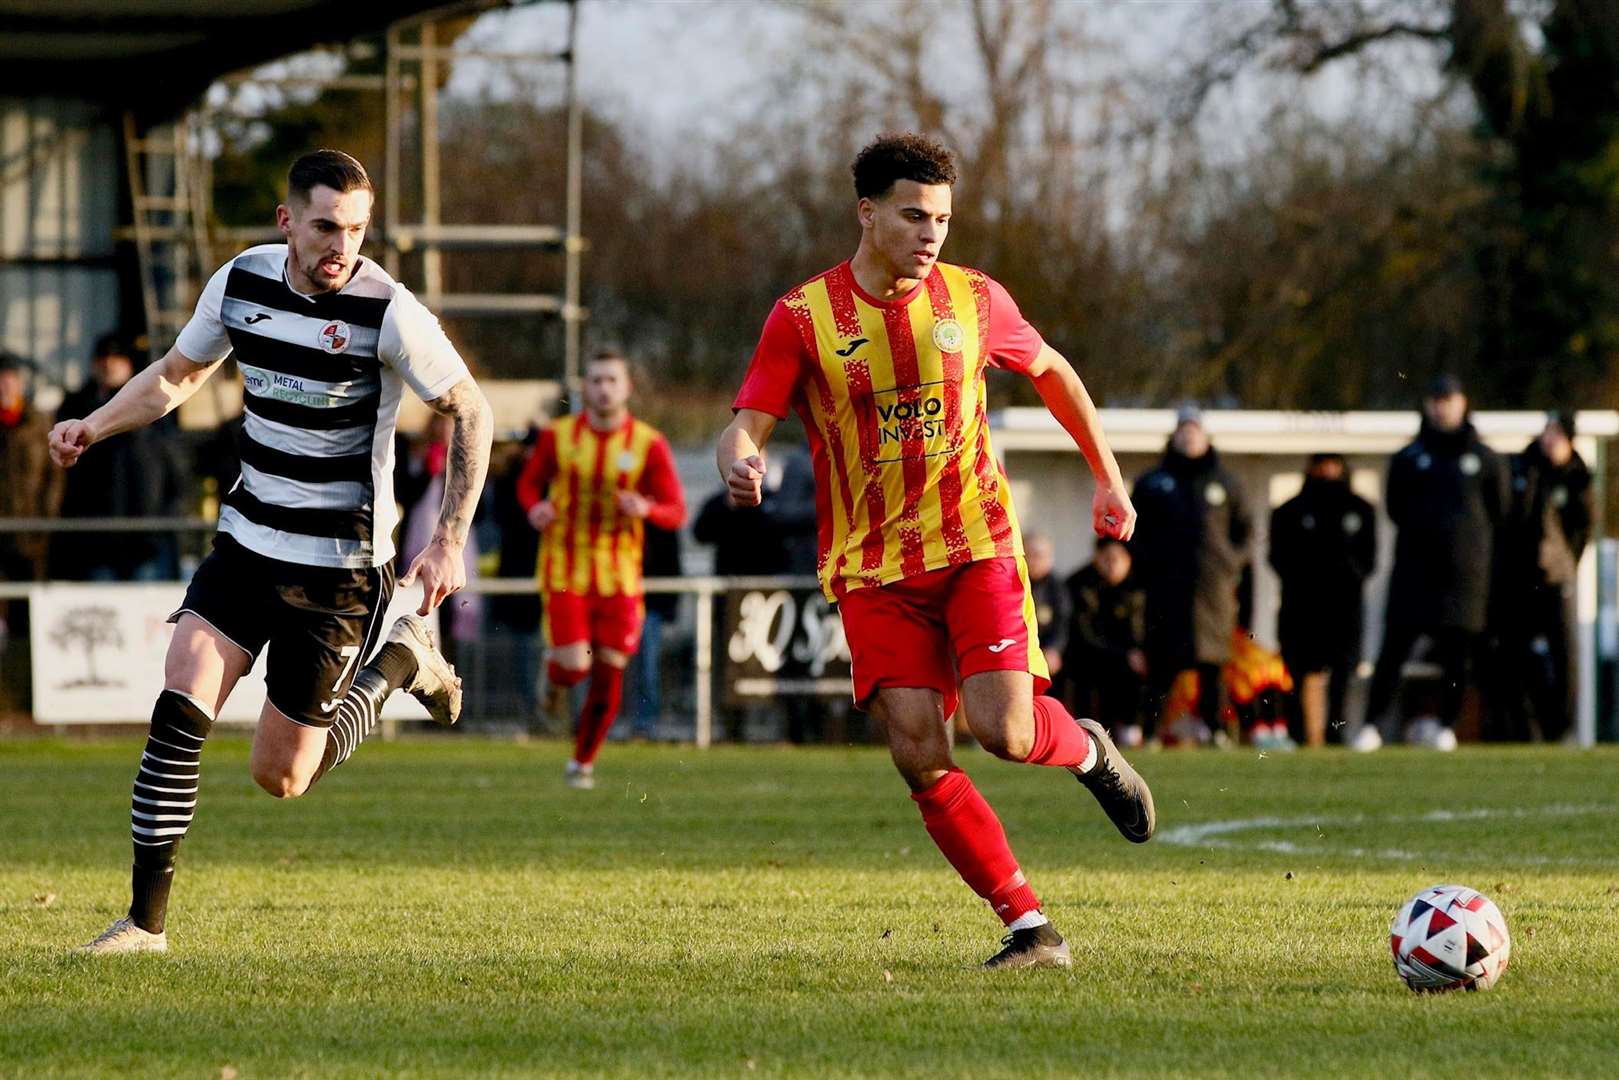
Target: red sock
{"type": "Point", "coordinates": [564, 676]}
{"type": "Point", "coordinates": [971, 837]}
{"type": "Point", "coordinates": [1057, 739]}
{"type": "Point", "coordinates": [601, 709]}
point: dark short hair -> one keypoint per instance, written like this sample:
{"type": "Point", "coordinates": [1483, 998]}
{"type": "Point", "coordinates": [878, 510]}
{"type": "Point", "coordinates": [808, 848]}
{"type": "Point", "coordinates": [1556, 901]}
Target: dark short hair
{"type": "Point", "coordinates": [1325, 456]}
{"type": "Point", "coordinates": [10, 361]}
{"type": "Point", "coordinates": [114, 344]}
{"type": "Point", "coordinates": [901, 157]}
{"type": "Point", "coordinates": [331, 168]}
{"type": "Point", "coordinates": [611, 354]}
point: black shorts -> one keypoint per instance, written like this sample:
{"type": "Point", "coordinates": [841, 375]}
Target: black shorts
{"type": "Point", "coordinates": [320, 622]}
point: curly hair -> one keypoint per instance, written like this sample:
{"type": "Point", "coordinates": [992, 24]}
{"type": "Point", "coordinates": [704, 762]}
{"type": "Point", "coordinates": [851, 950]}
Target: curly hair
{"type": "Point", "coordinates": [907, 156]}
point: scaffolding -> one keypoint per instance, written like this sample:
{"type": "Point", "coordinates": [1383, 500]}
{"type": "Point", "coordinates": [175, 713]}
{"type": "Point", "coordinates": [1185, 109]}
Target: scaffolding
{"type": "Point", "coordinates": [171, 192]}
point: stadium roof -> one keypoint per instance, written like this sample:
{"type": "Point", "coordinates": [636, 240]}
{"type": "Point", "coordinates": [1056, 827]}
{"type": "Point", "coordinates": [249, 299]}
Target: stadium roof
{"type": "Point", "coordinates": [155, 55]}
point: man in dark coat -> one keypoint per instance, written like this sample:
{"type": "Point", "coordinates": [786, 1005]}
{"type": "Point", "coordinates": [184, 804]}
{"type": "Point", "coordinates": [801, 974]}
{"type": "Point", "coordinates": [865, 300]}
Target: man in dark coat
{"type": "Point", "coordinates": [1050, 601]}
{"type": "Point", "coordinates": [1192, 535]}
{"type": "Point", "coordinates": [1534, 610]}
{"type": "Point", "coordinates": [1323, 545]}
{"type": "Point", "coordinates": [1106, 662]}
{"type": "Point", "coordinates": [1447, 494]}
{"type": "Point", "coordinates": [135, 474]}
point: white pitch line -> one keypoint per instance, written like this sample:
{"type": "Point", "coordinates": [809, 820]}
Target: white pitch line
{"type": "Point", "coordinates": [1216, 834]}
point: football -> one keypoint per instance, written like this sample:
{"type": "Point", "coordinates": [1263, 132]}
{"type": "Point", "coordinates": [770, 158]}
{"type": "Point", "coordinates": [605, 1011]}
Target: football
{"type": "Point", "coordinates": [1450, 937]}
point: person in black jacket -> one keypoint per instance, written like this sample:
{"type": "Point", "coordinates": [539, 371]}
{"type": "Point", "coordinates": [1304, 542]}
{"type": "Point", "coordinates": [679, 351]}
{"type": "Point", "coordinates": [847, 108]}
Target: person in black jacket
{"type": "Point", "coordinates": [1192, 534]}
{"type": "Point", "coordinates": [1534, 610]}
{"type": "Point", "coordinates": [1447, 494]}
{"type": "Point", "coordinates": [1323, 545]}
{"type": "Point", "coordinates": [134, 474]}
{"type": "Point", "coordinates": [1050, 602]}
{"type": "Point", "coordinates": [1105, 666]}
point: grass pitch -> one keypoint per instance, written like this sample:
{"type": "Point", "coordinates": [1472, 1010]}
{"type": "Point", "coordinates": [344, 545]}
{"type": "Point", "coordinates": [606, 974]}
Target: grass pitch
{"type": "Point", "coordinates": [447, 907]}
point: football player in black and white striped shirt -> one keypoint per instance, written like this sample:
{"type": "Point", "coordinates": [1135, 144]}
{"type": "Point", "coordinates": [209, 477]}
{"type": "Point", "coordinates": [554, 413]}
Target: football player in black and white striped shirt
{"type": "Point", "coordinates": [326, 342]}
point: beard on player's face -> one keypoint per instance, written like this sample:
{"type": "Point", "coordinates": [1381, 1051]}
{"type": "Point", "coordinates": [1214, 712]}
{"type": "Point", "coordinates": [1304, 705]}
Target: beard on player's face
{"type": "Point", "coordinates": [324, 234]}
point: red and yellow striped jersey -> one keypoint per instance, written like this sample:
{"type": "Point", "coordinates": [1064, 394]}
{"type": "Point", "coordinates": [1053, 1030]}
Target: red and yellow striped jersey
{"type": "Point", "coordinates": [593, 548]}
{"type": "Point", "coordinates": [891, 394]}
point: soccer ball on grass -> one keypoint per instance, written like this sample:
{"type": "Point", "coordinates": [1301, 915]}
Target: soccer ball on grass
{"type": "Point", "coordinates": [1450, 937]}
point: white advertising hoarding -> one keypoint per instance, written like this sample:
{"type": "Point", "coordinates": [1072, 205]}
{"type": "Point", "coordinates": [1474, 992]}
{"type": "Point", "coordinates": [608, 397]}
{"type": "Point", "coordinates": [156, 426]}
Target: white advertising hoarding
{"type": "Point", "coordinates": [98, 654]}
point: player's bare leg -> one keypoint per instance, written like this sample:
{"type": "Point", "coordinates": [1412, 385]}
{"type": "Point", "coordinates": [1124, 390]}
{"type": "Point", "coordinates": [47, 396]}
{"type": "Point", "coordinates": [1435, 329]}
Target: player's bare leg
{"type": "Point", "coordinates": [289, 757]}
{"type": "Point", "coordinates": [200, 669]}
{"type": "Point", "coordinates": [964, 826]}
{"type": "Point", "coordinates": [1012, 723]}
{"type": "Point", "coordinates": [1313, 705]}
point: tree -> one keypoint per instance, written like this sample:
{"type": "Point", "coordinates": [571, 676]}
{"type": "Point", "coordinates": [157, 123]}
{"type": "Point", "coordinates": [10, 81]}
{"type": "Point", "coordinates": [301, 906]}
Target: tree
{"type": "Point", "coordinates": [88, 628]}
{"type": "Point", "coordinates": [1543, 77]}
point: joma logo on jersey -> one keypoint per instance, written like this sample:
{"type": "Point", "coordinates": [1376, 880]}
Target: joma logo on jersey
{"type": "Point", "coordinates": [911, 422]}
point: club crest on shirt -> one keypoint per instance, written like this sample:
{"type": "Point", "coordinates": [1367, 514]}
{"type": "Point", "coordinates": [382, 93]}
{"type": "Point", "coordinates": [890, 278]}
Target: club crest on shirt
{"type": "Point", "coordinates": [335, 336]}
{"type": "Point", "coordinates": [626, 460]}
{"type": "Point", "coordinates": [948, 335]}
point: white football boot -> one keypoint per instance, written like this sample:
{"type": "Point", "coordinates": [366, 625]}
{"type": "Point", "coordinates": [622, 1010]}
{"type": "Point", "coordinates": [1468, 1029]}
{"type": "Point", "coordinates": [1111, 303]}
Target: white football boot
{"type": "Point", "coordinates": [581, 777]}
{"type": "Point", "coordinates": [435, 683]}
{"type": "Point", "coordinates": [1367, 739]}
{"type": "Point", "coordinates": [124, 936]}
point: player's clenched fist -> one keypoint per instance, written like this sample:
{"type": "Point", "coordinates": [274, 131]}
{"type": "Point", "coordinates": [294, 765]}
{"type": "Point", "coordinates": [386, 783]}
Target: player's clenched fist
{"type": "Point", "coordinates": [1113, 513]}
{"type": "Point", "coordinates": [68, 440]}
{"type": "Point", "coordinates": [746, 481]}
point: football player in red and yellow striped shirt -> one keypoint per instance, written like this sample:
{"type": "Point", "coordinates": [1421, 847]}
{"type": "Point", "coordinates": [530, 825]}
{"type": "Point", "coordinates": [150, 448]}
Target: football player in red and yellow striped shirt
{"type": "Point", "coordinates": [591, 485]}
{"type": "Point", "coordinates": [883, 358]}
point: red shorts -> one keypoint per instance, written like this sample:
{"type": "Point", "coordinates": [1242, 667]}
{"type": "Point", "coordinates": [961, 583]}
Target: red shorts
{"type": "Point", "coordinates": [938, 628]}
{"type": "Point", "coordinates": [605, 622]}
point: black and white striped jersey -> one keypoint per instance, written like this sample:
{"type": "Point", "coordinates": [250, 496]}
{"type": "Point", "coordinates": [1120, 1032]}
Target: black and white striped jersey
{"type": "Point", "coordinates": [323, 376]}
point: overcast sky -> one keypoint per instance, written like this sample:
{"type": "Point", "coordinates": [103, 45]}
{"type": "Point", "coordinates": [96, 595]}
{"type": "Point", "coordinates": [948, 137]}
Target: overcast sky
{"type": "Point", "coordinates": [681, 70]}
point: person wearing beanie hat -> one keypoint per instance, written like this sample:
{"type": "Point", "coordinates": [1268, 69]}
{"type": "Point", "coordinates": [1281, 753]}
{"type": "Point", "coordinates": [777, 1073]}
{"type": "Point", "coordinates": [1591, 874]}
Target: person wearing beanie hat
{"type": "Point", "coordinates": [1189, 555]}
{"type": "Point", "coordinates": [1323, 545]}
{"type": "Point", "coordinates": [1446, 494]}
{"type": "Point", "coordinates": [1533, 607]}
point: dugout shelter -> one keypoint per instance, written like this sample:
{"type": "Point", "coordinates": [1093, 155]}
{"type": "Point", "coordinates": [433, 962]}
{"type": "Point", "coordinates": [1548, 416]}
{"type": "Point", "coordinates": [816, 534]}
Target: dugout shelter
{"type": "Point", "coordinates": [1267, 452]}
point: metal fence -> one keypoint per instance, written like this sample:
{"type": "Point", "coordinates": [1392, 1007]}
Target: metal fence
{"type": "Point", "coordinates": [501, 664]}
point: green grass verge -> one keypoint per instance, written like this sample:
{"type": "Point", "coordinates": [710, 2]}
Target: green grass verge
{"type": "Point", "coordinates": [447, 907]}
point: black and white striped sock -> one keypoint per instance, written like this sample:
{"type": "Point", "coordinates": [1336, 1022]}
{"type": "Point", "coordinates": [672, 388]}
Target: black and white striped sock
{"type": "Point", "coordinates": [357, 713]}
{"type": "Point", "coordinates": [164, 802]}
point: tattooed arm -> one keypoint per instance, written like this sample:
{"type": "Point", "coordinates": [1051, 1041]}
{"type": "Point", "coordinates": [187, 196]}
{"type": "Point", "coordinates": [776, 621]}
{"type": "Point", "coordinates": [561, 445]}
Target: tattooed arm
{"type": "Point", "coordinates": [441, 565]}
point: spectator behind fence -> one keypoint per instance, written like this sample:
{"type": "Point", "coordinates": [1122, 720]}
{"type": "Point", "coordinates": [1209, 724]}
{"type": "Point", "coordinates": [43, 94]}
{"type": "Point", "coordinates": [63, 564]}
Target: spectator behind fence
{"type": "Point", "coordinates": [1323, 545]}
{"type": "Point", "coordinates": [1105, 667]}
{"type": "Point", "coordinates": [136, 475]}
{"type": "Point", "coordinates": [792, 513]}
{"type": "Point", "coordinates": [660, 558]}
{"type": "Point", "coordinates": [745, 538]}
{"type": "Point", "coordinates": [29, 489]}
{"type": "Point", "coordinates": [1533, 610]}
{"type": "Point", "coordinates": [1050, 601]}
{"type": "Point", "coordinates": [517, 614]}
{"type": "Point", "coordinates": [1447, 494]}
{"type": "Point", "coordinates": [424, 463]}
{"type": "Point", "coordinates": [1191, 545]}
